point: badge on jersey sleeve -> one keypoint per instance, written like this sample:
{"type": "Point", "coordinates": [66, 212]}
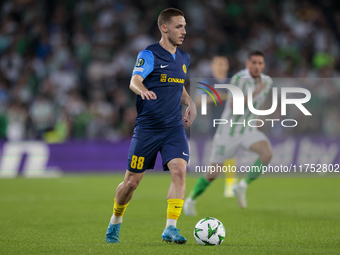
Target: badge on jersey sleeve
{"type": "Point", "coordinates": [140, 62]}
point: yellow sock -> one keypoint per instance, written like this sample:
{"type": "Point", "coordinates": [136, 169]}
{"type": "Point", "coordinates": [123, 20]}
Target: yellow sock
{"type": "Point", "coordinates": [230, 181]}
{"type": "Point", "coordinates": [175, 206]}
{"type": "Point", "coordinates": [230, 178]}
{"type": "Point", "coordinates": [118, 210]}
{"type": "Point", "coordinates": [230, 163]}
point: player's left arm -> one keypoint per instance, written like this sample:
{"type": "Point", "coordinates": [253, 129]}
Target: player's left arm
{"type": "Point", "coordinates": [190, 113]}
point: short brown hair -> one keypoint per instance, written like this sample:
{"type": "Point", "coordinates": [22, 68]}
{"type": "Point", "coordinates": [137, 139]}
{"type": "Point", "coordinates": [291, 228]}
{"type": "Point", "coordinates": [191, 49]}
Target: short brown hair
{"type": "Point", "coordinates": [167, 14]}
{"type": "Point", "coordinates": [255, 53]}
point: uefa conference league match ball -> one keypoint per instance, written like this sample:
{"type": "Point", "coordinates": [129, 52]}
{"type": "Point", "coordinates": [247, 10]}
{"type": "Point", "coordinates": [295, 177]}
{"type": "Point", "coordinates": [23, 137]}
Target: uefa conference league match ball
{"type": "Point", "coordinates": [209, 231]}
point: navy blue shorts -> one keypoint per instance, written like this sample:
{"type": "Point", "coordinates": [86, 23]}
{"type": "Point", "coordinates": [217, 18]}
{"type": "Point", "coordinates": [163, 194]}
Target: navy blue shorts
{"type": "Point", "coordinates": [171, 143]}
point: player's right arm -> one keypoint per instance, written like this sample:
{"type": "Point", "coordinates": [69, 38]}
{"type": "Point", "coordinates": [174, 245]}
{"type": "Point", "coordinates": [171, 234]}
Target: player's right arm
{"type": "Point", "coordinates": [144, 66]}
{"type": "Point", "coordinates": [137, 86]}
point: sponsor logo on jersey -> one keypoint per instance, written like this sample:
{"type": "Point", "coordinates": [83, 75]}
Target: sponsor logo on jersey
{"type": "Point", "coordinates": [170, 79]}
{"type": "Point", "coordinates": [163, 77]}
{"type": "Point", "coordinates": [176, 80]}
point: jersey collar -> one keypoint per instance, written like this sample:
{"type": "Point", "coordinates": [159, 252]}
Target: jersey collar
{"type": "Point", "coordinates": [160, 46]}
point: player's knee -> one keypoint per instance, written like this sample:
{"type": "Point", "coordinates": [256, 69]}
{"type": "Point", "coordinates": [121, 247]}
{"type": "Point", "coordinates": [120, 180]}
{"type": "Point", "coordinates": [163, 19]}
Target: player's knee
{"type": "Point", "coordinates": [178, 171]}
{"type": "Point", "coordinates": [131, 185]}
{"type": "Point", "coordinates": [210, 176]}
{"type": "Point", "coordinates": [266, 156]}
{"type": "Point", "coordinates": [178, 178]}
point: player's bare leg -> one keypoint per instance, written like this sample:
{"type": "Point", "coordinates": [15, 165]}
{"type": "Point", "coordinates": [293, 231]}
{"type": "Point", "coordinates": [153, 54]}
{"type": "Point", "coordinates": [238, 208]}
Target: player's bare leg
{"type": "Point", "coordinates": [175, 198]}
{"type": "Point", "coordinates": [201, 185]}
{"type": "Point", "coordinates": [178, 170]}
{"type": "Point", "coordinates": [124, 194]}
{"type": "Point", "coordinates": [126, 188]}
{"type": "Point", "coordinates": [212, 175]}
{"type": "Point", "coordinates": [264, 150]}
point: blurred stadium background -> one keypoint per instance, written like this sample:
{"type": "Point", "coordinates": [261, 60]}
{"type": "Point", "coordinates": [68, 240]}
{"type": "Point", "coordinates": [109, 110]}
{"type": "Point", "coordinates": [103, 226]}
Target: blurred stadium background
{"type": "Point", "coordinates": [65, 67]}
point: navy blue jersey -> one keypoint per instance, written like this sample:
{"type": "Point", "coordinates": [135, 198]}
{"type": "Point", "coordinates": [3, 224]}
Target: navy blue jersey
{"type": "Point", "coordinates": [164, 74]}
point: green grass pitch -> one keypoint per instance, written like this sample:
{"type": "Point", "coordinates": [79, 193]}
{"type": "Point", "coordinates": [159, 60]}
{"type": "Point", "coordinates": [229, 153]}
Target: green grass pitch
{"type": "Point", "coordinates": [69, 215]}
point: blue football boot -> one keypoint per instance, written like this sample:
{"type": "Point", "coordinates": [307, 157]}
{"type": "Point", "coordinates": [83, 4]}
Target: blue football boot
{"type": "Point", "coordinates": [171, 234]}
{"type": "Point", "coordinates": [112, 233]}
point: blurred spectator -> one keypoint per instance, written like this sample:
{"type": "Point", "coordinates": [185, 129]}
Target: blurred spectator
{"type": "Point", "coordinates": [11, 64]}
{"type": "Point", "coordinates": [22, 92]}
{"type": "Point", "coordinates": [42, 113]}
{"type": "Point", "coordinates": [4, 95]}
{"type": "Point", "coordinates": [60, 130]}
{"type": "Point", "coordinates": [101, 125]}
{"type": "Point", "coordinates": [64, 80]}
{"type": "Point", "coordinates": [16, 122]}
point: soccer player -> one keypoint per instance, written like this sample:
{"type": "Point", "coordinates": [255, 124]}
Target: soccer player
{"type": "Point", "coordinates": [158, 81]}
{"type": "Point", "coordinates": [228, 139]}
{"type": "Point", "coordinates": [219, 70]}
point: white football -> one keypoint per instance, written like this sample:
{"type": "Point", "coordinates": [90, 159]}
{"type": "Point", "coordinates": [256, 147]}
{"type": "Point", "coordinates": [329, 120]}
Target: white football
{"type": "Point", "coordinates": [209, 231]}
